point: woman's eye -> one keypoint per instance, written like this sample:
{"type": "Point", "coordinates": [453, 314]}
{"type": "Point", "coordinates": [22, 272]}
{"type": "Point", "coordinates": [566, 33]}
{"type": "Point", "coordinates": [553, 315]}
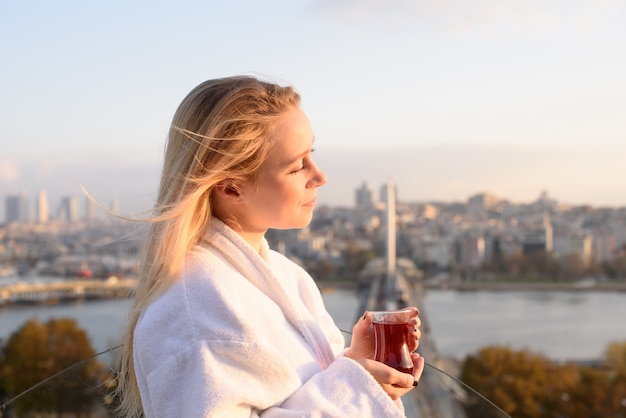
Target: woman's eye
{"type": "Point", "coordinates": [306, 162]}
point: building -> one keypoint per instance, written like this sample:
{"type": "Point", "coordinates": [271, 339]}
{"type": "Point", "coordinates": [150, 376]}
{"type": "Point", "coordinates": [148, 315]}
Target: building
{"type": "Point", "coordinates": [429, 211]}
{"type": "Point", "coordinates": [68, 210]}
{"type": "Point", "coordinates": [540, 239]}
{"type": "Point", "coordinates": [604, 248]}
{"type": "Point", "coordinates": [579, 245]}
{"type": "Point", "coordinates": [90, 209]}
{"type": "Point", "coordinates": [383, 196]}
{"type": "Point", "coordinates": [17, 208]}
{"type": "Point", "coordinates": [478, 206]}
{"type": "Point", "coordinates": [42, 208]}
{"type": "Point", "coordinates": [471, 250]}
{"type": "Point", "coordinates": [364, 197]}
{"type": "Point", "coordinates": [115, 206]}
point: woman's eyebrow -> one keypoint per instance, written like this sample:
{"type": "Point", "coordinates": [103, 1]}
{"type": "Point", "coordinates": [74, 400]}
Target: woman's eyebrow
{"type": "Point", "coordinates": [301, 155]}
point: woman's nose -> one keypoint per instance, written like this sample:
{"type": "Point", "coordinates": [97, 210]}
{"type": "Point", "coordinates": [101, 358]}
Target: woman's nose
{"type": "Point", "coordinates": [319, 177]}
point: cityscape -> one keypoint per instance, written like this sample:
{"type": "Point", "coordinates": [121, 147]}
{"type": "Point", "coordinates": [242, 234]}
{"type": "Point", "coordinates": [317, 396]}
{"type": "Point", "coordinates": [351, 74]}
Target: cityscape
{"type": "Point", "coordinates": [470, 239]}
{"type": "Point", "coordinates": [439, 245]}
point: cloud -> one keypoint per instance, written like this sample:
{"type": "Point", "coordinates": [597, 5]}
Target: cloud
{"type": "Point", "coordinates": [464, 16]}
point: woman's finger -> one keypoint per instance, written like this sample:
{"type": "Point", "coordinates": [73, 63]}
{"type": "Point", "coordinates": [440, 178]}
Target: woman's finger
{"type": "Point", "coordinates": [363, 324]}
{"type": "Point", "coordinates": [418, 366]}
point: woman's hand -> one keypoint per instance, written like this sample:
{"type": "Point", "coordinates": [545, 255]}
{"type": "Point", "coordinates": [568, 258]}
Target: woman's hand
{"type": "Point", "coordinates": [414, 342]}
{"type": "Point", "coordinates": [363, 344]}
{"type": "Point", "coordinates": [416, 334]}
{"type": "Point", "coordinates": [395, 383]}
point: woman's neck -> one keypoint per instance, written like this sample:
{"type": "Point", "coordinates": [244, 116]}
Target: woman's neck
{"type": "Point", "coordinates": [253, 238]}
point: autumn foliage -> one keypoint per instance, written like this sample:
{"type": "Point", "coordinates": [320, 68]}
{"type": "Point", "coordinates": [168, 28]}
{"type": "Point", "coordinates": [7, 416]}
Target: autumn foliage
{"type": "Point", "coordinates": [524, 384]}
{"type": "Point", "coordinates": [38, 351]}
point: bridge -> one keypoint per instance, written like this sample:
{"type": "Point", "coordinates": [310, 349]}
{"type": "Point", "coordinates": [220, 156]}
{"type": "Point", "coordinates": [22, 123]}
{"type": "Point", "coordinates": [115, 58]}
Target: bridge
{"type": "Point", "coordinates": [394, 284]}
{"type": "Point", "coordinates": [66, 291]}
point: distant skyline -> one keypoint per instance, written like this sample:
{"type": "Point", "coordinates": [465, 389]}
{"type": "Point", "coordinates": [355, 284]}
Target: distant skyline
{"type": "Point", "coordinates": [447, 99]}
{"type": "Point", "coordinates": [425, 174]}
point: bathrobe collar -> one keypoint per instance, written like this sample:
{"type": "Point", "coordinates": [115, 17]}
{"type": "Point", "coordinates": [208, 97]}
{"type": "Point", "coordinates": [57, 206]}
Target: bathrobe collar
{"type": "Point", "coordinates": [272, 279]}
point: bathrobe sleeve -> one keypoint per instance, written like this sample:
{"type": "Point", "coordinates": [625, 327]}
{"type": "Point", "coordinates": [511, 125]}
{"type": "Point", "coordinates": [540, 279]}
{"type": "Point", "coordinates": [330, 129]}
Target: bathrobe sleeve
{"type": "Point", "coordinates": [239, 357]}
{"type": "Point", "coordinates": [243, 380]}
{"type": "Point", "coordinates": [227, 340]}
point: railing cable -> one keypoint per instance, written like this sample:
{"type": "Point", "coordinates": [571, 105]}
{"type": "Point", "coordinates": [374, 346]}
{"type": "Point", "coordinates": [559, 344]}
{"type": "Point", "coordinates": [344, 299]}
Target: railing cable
{"type": "Point", "coordinates": [465, 385]}
{"type": "Point", "coordinates": [30, 389]}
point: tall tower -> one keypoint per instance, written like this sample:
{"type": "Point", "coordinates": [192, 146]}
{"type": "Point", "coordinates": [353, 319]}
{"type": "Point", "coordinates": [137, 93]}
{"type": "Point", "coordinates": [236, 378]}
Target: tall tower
{"type": "Point", "coordinates": [43, 208]}
{"type": "Point", "coordinates": [90, 210]}
{"type": "Point", "coordinates": [549, 235]}
{"type": "Point", "coordinates": [69, 209]}
{"type": "Point", "coordinates": [390, 279]}
{"type": "Point", "coordinates": [115, 206]}
{"type": "Point", "coordinates": [364, 198]}
{"type": "Point", "coordinates": [391, 229]}
{"type": "Point", "coordinates": [17, 208]}
{"type": "Point", "coordinates": [384, 191]}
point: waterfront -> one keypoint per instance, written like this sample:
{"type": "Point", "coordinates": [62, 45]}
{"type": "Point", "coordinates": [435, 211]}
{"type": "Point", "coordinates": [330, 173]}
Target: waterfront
{"type": "Point", "coordinates": [102, 319]}
{"type": "Point", "coordinates": [562, 325]}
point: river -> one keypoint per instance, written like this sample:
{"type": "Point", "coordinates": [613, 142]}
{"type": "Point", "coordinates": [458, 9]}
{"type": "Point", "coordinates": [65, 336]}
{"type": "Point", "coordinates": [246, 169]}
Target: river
{"type": "Point", "coordinates": [562, 325]}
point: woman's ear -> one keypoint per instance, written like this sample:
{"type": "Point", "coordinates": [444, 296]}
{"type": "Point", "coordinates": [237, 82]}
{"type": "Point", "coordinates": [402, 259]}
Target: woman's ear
{"type": "Point", "coordinates": [228, 190]}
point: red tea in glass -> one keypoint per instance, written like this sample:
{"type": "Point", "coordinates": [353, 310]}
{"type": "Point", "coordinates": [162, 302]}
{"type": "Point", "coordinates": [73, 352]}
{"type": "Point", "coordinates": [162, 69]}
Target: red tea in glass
{"type": "Point", "coordinates": [391, 332]}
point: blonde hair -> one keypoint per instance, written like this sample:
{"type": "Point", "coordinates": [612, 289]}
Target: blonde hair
{"type": "Point", "coordinates": [221, 132]}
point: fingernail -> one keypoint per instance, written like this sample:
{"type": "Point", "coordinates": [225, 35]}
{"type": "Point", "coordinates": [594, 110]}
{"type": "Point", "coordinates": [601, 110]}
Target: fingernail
{"type": "Point", "coordinates": [415, 383]}
{"type": "Point", "coordinates": [365, 314]}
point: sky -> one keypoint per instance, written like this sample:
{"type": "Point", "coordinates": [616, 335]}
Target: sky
{"type": "Point", "coordinates": [446, 99]}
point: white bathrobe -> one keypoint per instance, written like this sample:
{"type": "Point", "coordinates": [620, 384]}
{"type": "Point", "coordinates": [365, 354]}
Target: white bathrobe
{"type": "Point", "coordinates": [245, 334]}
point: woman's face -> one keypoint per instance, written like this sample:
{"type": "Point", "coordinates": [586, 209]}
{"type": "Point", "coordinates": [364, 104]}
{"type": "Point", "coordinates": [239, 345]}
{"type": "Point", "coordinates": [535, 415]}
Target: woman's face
{"type": "Point", "coordinates": [286, 190]}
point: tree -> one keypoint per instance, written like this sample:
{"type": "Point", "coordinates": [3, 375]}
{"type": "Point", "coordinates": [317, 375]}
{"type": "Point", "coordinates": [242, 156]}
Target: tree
{"type": "Point", "coordinates": [573, 266]}
{"type": "Point", "coordinates": [589, 398]}
{"type": "Point", "coordinates": [528, 385]}
{"type": "Point", "coordinates": [37, 351]}
{"type": "Point", "coordinates": [3, 392]}
{"type": "Point", "coordinates": [514, 380]}
{"type": "Point", "coordinates": [356, 258]}
{"type": "Point", "coordinates": [322, 270]}
{"type": "Point", "coordinates": [615, 357]}
{"type": "Point", "coordinates": [615, 362]}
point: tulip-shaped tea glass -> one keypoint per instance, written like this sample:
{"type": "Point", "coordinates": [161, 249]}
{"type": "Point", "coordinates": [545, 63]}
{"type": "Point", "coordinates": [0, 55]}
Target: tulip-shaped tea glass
{"type": "Point", "coordinates": [392, 333]}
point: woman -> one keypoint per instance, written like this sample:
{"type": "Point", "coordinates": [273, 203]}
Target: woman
{"type": "Point", "coordinates": [222, 325]}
